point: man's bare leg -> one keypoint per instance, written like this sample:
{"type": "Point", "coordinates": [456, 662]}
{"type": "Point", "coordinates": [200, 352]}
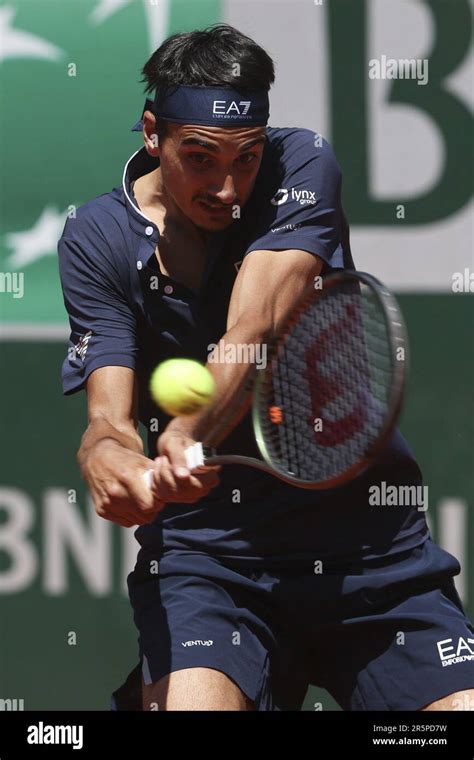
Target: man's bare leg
{"type": "Point", "coordinates": [195, 689]}
{"type": "Point", "coordinates": [460, 700]}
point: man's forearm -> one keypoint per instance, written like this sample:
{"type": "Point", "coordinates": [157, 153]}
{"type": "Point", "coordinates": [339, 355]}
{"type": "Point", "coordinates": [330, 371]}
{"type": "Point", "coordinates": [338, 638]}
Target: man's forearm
{"type": "Point", "coordinates": [101, 429]}
{"type": "Point", "coordinates": [234, 381]}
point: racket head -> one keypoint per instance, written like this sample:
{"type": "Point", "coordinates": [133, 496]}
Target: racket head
{"type": "Point", "coordinates": [340, 365]}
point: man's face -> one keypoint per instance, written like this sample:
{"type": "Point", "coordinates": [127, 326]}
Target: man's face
{"type": "Point", "coordinates": [209, 171]}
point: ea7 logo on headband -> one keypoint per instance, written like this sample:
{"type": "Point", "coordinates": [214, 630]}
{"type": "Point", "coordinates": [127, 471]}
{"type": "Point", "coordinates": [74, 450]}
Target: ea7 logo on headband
{"type": "Point", "coordinates": [223, 108]}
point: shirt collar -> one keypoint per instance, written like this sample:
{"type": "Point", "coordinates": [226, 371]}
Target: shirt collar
{"type": "Point", "coordinates": [138, 164]}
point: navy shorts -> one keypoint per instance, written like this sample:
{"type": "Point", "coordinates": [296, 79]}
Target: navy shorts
{"type": "Point", "coordinates": [381, 634]}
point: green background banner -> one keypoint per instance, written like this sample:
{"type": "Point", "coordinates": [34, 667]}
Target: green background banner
{"type": "Point", "coordinates": [66, 627]}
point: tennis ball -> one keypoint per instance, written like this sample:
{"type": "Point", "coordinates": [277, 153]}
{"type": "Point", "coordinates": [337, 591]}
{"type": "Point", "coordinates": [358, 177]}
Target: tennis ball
{"type": "Point", "coordinates": [182, 386]}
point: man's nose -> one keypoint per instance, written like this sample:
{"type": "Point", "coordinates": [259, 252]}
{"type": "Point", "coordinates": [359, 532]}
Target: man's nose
{"type": "Point", "coordinates": [226, 192]}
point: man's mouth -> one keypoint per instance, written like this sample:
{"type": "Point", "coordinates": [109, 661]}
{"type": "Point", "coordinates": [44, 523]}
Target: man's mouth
{"type": "Point", "coordinates": [215, 209]}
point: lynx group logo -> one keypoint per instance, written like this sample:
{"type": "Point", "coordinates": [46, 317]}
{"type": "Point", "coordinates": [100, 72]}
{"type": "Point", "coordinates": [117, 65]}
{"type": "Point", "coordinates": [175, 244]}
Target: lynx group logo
{"type": "Point", "coordinates": [302, 197]}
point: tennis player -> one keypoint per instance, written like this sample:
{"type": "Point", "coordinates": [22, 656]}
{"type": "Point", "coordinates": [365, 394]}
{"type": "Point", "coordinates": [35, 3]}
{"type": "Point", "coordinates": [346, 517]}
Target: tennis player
{"type": "Point", "coordinates": [246, 589]}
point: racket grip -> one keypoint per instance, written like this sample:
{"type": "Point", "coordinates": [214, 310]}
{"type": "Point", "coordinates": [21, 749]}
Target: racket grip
{"type": "Point", "coordinates": [148, 478]}
{"type": "Point", "coordinates": [194, 456]}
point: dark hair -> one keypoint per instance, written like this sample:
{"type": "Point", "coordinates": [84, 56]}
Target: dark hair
{"type": "Point", "coordinates": [207, 57]}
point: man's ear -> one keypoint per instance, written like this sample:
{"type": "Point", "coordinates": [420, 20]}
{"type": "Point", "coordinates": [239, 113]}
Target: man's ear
{"type": "Point", "coordinates": [150, 135]}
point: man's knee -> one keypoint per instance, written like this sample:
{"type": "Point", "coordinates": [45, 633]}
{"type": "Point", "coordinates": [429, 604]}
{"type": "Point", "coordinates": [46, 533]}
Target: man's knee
{"type": "Point", "coordinates": [195, 689]}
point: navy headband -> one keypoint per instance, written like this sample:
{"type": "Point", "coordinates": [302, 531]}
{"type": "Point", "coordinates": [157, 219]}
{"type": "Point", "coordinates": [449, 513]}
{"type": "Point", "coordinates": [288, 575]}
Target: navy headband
{"type": "Point", "coordinates": [209, 106]}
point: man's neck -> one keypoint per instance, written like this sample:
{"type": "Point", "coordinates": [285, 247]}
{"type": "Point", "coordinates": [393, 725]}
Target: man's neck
{"type": "Point", "coordinates": [154, 201]}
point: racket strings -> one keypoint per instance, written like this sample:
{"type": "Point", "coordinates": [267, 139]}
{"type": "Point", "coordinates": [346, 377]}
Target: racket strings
{"type": "Point", "coordinates": [287, 434]}
{"type": "Point", "coordinates": [330, 378]}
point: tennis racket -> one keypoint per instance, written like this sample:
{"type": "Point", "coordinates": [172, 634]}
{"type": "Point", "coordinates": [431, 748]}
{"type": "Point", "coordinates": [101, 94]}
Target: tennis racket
{"type": "Point", "coordinates": [332, 390]}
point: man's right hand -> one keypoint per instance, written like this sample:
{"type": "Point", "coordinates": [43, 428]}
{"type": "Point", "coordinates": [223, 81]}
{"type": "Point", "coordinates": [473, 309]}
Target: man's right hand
{"type": "Point", "coordinates": [114, 475]}
{"type": "Point", "coordinates": [120, 493]}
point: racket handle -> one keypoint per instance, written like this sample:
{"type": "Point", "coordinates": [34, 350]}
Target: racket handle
{"type": "Point", "coordinates": [194, 456]}
{"type": "Point", "coordinates": [148, 478]}
{"type": "Point", "coordinates": [199, 455]}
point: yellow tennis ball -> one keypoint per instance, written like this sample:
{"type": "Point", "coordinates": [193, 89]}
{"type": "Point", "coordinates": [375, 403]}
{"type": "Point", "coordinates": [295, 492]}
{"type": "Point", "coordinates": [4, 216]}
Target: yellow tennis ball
{"type": "Point", "coordinates": [182, 386]}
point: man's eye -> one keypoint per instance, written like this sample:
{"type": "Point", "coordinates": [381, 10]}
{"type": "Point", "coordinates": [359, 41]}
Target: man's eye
{"type": "Point", "coordinates": [199, 158]}
{"type": "Point", "coordinates": [247, 158]}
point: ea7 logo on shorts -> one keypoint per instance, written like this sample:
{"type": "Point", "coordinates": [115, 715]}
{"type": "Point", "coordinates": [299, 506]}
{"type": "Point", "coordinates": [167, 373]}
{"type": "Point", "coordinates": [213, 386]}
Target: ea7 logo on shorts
{"type": "Point", "coordinates": [197, 643]}
{"type": "Point", "coordinates": [223, 109]}
{"type": "Point", "coordinates": [452, 651]}
{"type": "Point", "coordinates": [303, 197]}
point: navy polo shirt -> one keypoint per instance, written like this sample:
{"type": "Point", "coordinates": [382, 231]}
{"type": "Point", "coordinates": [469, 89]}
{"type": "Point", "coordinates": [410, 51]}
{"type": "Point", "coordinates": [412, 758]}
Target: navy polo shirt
{"type": "Point", "coordinates": [124, 311]}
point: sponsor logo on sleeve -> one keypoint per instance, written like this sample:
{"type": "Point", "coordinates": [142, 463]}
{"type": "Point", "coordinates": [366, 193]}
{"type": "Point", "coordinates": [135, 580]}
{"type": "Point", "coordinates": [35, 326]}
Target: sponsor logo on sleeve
{"type": "Point", "coordinates": [81, 346]}
{"type": "Point", "coordinates": [302, 197]}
